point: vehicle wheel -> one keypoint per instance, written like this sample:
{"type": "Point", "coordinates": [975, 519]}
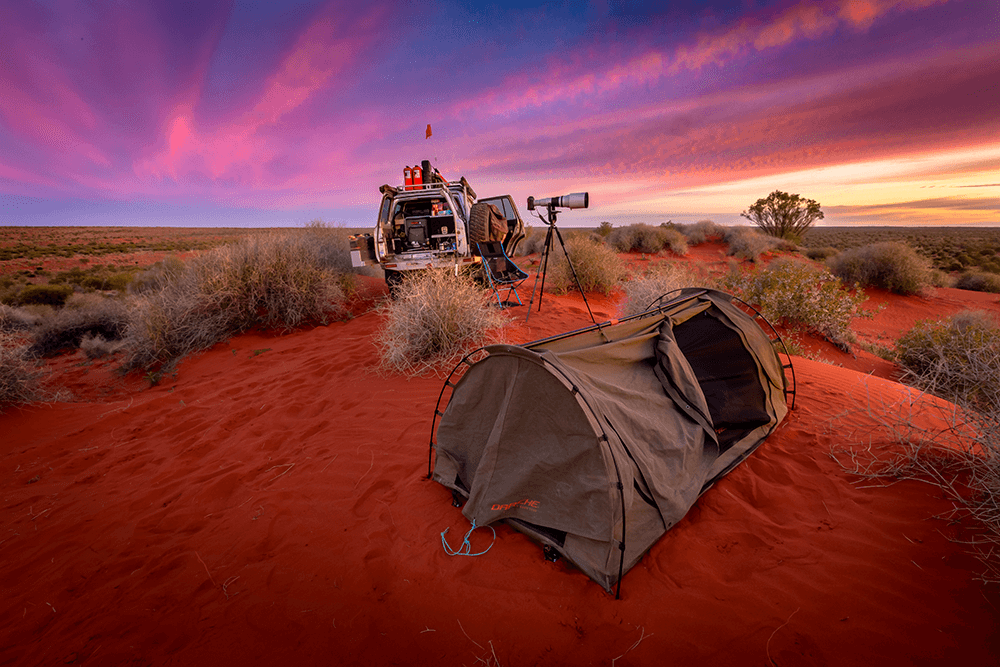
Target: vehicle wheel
{"type": "Point", "coordinates": [479, 223]}
{"type": "Point", "coordinates": [393, 280]}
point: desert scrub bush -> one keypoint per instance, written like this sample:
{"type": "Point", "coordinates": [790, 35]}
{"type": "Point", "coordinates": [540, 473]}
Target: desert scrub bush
{"type": "Point", "coordinates": [938, 278]}
{"type": "Point", "coordinates": [641, 291]}
{"type": "Point", "coordinates": [49, 295]}
{"type": "Point", "coordinates": [796, 292]}
{"type": "Point", "coordinates": [702, 231]}
{"type": "Point", "coordinates": [157, 276]}
{"type": "Point", "coordinates": [16, 319]}
{"type": "Point", "coordinates": [890, 265]}
{"type": "Point", "coordinates": [273, 280]}
{"type": "Point", "coordinates": [821, 254]}
{"type": "Point", "coordinates": [330, 245]}
{"type": "Point", "coordinates": [19, 377]}
{"type": "Point", "coordinates": [675, 240]}
{"type": "Point", "coordinates": [978, 281]}
{"type": "Point", "coordinates": [533, 242]}
{"type": "Point", "coordinates": [95, 346]}
{"type": "Point", "coordinates": [957, 358]}
{"type": "Point", "coordinates": [434, 318]}
{"type": "Point", "coordinates": [66, 328]}
{"type": "Point", "coordinates": [648, 239]}
{"type": "Point", "coordinates": [597, 266]}
{"type": "Point", "coordinates": [747, 243]}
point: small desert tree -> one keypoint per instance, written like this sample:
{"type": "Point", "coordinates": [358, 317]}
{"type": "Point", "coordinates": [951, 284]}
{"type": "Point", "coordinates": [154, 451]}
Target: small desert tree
{"type": "Point", "coordinates": [783, 215]}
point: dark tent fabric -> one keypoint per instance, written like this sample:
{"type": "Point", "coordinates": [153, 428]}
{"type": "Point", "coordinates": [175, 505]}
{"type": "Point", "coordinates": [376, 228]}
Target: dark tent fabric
{"type": "Point", "coordinates": [597, 442]}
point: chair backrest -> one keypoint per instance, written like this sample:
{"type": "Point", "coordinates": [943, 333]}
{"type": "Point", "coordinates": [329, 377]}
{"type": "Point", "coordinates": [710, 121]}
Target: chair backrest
{"type": "Point", "coordinates": [491, 249]}
{"type": "Point", "coordinates": [500, 265]}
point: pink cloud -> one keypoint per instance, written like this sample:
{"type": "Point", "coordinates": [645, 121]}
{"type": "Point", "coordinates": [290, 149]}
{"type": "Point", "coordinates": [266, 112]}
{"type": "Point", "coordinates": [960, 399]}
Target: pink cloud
{"type": "Point", "coordinates": [241, 147]}
{"type": "Point", "coordinates": [804, 21]}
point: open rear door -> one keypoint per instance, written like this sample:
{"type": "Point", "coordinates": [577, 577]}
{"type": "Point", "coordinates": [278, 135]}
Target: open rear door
{"type": "Point", "coordinates": [515, 226]}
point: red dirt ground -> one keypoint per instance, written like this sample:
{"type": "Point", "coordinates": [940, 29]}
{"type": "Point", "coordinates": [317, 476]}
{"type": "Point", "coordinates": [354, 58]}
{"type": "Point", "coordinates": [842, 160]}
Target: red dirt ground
{"type": "Point", "coordinates": [267, 505]}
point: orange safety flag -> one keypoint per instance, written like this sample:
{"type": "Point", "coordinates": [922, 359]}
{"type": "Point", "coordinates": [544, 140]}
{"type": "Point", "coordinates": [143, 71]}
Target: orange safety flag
{"type": "Point", "coordinates": [428, 131]}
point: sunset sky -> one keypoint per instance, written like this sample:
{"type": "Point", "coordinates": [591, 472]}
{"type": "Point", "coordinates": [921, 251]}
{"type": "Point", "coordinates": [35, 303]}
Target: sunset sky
{"type": "Point", "coordinates": [242, 113]}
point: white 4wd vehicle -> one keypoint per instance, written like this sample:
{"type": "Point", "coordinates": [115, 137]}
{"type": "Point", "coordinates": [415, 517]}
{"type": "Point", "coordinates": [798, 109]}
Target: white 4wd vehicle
{"type": "Point", "coordinates": [432, 223]}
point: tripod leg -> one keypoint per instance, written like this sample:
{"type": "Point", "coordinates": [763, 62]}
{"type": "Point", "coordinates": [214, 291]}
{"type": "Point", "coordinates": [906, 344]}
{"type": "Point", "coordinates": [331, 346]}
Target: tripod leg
{"type": "Point", "coordinates": [542, 267]}
{"type": "Point", "coordinates": [575, 278]}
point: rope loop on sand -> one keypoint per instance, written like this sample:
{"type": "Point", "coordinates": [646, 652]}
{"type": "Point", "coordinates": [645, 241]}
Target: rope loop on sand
{"type": "Point", "coordinates": [465, 549]}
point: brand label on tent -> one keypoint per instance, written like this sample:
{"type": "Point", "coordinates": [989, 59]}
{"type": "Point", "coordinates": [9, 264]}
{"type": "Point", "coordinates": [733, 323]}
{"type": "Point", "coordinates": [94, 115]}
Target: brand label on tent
{"type": "Point", "coordinates": [530, 504]}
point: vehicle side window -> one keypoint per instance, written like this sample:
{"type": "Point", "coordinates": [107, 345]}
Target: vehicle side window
{"type": "Point", "coordinates": [503, 203]}
{"type": "Point", "coordinates": [508, 213]}
{"type": "Point", "coordinates": [383, 214]}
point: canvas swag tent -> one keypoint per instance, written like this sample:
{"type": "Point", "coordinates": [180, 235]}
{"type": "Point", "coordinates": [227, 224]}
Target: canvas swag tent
{"type": "Point", "coordinates": [596, 442]}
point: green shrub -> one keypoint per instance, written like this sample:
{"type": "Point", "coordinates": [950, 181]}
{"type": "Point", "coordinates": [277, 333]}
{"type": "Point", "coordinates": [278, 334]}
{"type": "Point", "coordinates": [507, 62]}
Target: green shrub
{"type": "Point", "coordinates": [19, 377]}
{"type": "Point", "coordinates": [647, 239]}
{"type": "Point", "coordinates": [435, 317]}
{"type": "Point", "coordinates": [74, 276]}
{"type": "Point", "coordinates": [50, 295]}
{"type": "Point", "coordinates": [797, 292]}
{"type": "Point", "coordinates": [890, 265]}
{"type": "Point", "coordinates": [597, 266]}
{"type": "Point", "coordinates": [641, 291]}
{"type": "Point", "coordinates": [978, 281]}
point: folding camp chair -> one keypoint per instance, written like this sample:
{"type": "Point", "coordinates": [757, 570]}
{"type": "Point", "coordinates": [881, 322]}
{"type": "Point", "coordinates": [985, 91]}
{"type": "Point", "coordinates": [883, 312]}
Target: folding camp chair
{"type": "Point", "coordinates": [501, 272]}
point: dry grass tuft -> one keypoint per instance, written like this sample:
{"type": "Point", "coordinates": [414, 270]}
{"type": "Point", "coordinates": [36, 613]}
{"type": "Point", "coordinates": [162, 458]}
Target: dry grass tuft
{"type": "Point", "coordinates": [157, 277]}
{"type": "Point", "coordinates": [16, 319]}
{"type": "Point", "coordinates": [647, 239]}
{"type": "Point", "coordinates": [597, 266]}
{"type": "Point", "coordinates": [641, 291]}
{"type": "Point", "coordinates": [748, 244]}
{"type": "Point", "coordinates": [88, 315]}
{"type": "Point", "coordinates": [702, 231]}
{"type": "Point", "coordinates": [957, 445]}
{"type": "Point", "coordinates": [434, 318]}
{"type": "Point", "coordinates": [95, 346]}
{"type": "Point", "coordinates": [274, 280]}
{"type": "Point", "coordinates": [19, 377]}
{"type": "Point", "coordinates": [957, 359]}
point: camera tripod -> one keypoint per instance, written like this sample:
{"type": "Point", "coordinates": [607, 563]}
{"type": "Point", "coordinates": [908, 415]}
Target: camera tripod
{"type": "Point", "coordinates": [543, 265]}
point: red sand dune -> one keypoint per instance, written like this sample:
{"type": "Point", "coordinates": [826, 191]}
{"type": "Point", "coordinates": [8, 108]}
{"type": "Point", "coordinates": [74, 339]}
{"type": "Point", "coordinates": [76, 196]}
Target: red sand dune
{"type": "Point", "coordinates": [267, 505]}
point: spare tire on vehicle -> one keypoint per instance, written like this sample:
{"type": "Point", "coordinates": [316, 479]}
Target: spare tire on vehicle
{"type": "Point", "coordinates": [486, 223]}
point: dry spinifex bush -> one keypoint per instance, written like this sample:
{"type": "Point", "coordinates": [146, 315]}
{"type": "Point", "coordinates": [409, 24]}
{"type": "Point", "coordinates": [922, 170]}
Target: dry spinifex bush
{"type": "Point", "coordinates": [436, 317]}
{"type": "Point", "coordinates": [948, 436]}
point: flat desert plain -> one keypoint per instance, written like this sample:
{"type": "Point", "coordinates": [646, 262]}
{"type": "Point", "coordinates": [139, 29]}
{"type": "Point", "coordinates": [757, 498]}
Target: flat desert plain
{"type": "Point", "coordinates": [268, 505]}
